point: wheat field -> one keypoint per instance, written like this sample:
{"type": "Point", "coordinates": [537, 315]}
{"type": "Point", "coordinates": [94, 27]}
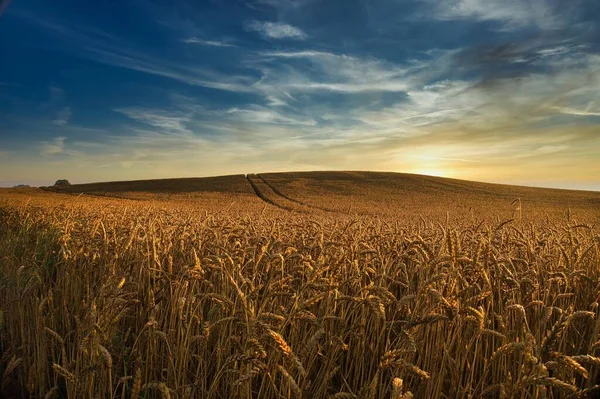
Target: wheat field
{"type": "Point", "coordinates": [226, 296]}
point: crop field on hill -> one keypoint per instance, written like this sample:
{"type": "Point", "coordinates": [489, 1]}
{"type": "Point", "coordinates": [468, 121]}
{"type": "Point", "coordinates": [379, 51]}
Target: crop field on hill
{"type": "Point", "coordinates": [308, 285]}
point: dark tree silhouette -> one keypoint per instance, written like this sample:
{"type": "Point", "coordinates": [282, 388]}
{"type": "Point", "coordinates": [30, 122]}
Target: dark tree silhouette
{"type": "Point", "coordinates": [62, 182]}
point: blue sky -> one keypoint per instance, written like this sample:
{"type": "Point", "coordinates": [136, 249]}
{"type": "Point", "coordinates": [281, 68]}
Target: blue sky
{"type": "Point", "coordinates": [497, 90]}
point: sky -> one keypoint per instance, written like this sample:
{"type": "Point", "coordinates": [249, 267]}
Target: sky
{"type": "Point", "coordinates": [501, 91]}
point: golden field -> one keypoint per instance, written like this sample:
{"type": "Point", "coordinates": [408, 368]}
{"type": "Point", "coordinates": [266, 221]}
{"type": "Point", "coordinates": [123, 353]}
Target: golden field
{"type": "Point", "coordinates": [313, 285]}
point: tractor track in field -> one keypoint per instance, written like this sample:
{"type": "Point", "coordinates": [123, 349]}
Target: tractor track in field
{"type": "Point", "coordinates": [270, 194]}
{"type": "Point", "coordinates": [278, 192]}
{"type": "Point", "coordinates": [256, 182]}
{"type": "Point", "coordinates": [281, 194]}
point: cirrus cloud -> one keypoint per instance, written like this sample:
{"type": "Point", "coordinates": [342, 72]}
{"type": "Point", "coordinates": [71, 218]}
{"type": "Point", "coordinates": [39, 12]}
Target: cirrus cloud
{"type": "Point", "coordinates": [276, 30]}
{"type": "Point", "coordinates": [210, 43]}
{"type": "Point", "coordinates": [513, 14]}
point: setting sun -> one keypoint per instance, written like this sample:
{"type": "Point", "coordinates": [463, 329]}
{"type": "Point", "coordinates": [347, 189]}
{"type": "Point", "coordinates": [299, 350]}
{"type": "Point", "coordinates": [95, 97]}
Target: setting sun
{"type": "Point", "coordinates": [430, 172]}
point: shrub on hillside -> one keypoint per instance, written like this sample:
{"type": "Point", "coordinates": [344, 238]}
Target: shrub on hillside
{"type": "Point", "coordinates": [62, 182]}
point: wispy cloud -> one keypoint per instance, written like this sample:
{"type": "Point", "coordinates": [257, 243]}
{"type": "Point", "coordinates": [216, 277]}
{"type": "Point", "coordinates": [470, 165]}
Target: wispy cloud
{"type": "Point", "coordinates": [276, 30]}
{"type": "Point", "coordinates": [57, 94]}
{"type": "Point", "coordinates": [103, 48]}
{"type": "Point", "coordinates": [165, 122]}
{"type": "Point", "coordinates": [434, 158]}
{"type": "Point", "coordinates": [263, 115]}
{"type": "Point", "coordinates": [210, 43]}
{"type": "Point", "coordinates": [191, 75]}
{"type": "Point", "coordinates": [62, 116]}
{"type": "Point", "coordinates": [54, 147]}
{"type": "Point", "coordinates": [511, 14]}
{"type": "Point", "coordinates": [328, 72]}
{"type": "Point", "coordinates": [591, 110]}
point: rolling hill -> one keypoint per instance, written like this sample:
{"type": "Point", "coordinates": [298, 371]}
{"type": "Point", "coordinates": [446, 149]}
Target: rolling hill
{"type": "Point", "coordinates": [376, 193]}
